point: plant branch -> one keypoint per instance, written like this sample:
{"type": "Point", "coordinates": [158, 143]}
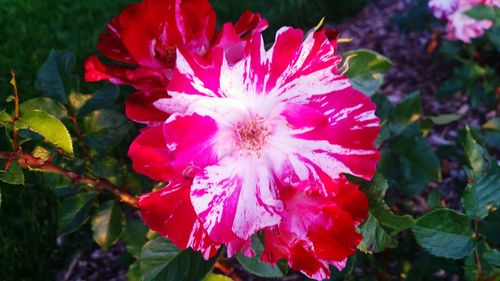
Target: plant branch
{"type": "Point", "coordinates": [80, 138]}
{"type": "Point", "coordinates": [27, 161]}
{"type": "Point", "coordinates": [479, 273]}
{"type": "Point", "coordinates": [15, 139]}
{"type": "Point", "coordinates": [227, 270]}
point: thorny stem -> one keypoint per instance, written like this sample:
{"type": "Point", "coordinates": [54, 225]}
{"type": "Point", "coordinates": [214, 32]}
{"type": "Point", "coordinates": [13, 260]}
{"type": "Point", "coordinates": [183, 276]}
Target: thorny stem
{"type": "Point", "coordinates": [27, 161]}
{"type": "Point", "coordinates": [79, 136]}
{"type": "Point", "coordinates": [227, 270]}
{"type": "Point", "coordinates": [479, 273]}
{"type": "Point", "coordinates": [15, 139]}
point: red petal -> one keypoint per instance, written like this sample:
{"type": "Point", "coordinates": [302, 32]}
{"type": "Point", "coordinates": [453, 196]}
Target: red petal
{"type": "Point", "coordinates": [111, 44]}
{"type": "Point", "coordinates": [334, 235]}
{"type": "Point", "coordinates": [352, 200]}
{"type": "Point", "coordinates": [95, 70]}
{"type": "Point", "coordinates": [315, 232]}
{"type": "Point", "coordinates": [150, 156]}
{"type": "Point", "coordinates": [250, 22]}
{"type": "Point", "coordinates": [169, 212]}
{"type": "Point", "coordinates": [139, 107]}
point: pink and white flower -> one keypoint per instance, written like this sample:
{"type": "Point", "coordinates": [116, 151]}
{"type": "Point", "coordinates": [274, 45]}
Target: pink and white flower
{"type": "Point", "coordinates": [460, 26]}
{"type": "Point", "coordinates": [443, 8]}
{"type": "Point", "coordinates": [262, 143]}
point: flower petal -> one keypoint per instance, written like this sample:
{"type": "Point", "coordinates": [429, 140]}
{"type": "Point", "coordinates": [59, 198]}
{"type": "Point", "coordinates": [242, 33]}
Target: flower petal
{"type": "Point", "coordinates": [250, 22]}
{"type": "Point", "coordinates": [140, 108]}
{"type": "Point", "coordinates": [235, 198]}
{"type": "Point", "coordinates": [169, 212]}
{"type": "Point", "coordinates": [111, 44]}
{"type": "Point", "coordinates": [311, 70]}
{"type": "Point", "coordinates": [315, 232]}
{"type": "Point", "coordinates": [346, 119]}
{"type": "Point", "coordinates": [95, 70]}
{"type": "Point", "coordinates": [190, 141]}
{"type": "Point", "coordinates": [141, 78]}
{"type": "Point", "coordinates": [150, 155]}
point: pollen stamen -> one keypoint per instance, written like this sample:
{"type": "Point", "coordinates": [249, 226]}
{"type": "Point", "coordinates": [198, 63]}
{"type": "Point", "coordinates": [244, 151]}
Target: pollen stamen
{"type": "Point", "coordinates": [165, 53]}
{"type": "Point", "coordinates": [253, 134]}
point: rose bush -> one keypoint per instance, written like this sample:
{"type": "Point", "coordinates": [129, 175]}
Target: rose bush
{"type": "Point", "coordinates": [275, 156]}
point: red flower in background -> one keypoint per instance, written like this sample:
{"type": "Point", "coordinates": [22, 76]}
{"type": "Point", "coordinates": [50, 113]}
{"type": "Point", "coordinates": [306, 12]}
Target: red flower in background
{"type": "Point", "coordinates": [260, 142]}
{"type": "Point", "coordinates": [142, 42]}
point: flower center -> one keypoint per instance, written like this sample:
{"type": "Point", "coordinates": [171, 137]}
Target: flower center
{"type": "Point", "coordinates": [252, 134]}
{"type": "Point", "coordinates": [165, 53]}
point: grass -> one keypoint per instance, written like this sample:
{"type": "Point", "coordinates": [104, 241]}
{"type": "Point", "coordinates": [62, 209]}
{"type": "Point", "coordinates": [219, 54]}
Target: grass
{"type": "Point", "coordinates": [27, 233]}
{"type": "Point", "coordinates": [30, 28]}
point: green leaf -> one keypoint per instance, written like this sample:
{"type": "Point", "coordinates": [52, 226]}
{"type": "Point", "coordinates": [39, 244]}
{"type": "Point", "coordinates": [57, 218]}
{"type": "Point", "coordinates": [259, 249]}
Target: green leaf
{"type": "Point", "coordinates": [161, 260]}
{"type": "Point", "coordinates": [396, 222]}
{"type": "Point", "coordinates": [45, 104]}
{"type": "Point", "coordinates": [494, 36]}
{"type": "Point", "coordinates": [489, 270]}
{"type": "Point", "coordinates": [491, 132]}
{"type": "Point", "coordinates": [493, 257]}
{"type": "Point", "coordinates": [134, 272]}
{"type": "Point", "coordinates": [106, 166]}
{"type": "Point", "coordinates": [492, 124]}
{"type": "Point", "coordinates": [5, 118]}
{"type": "Point", "coordinates": [434, 199]}
{"type": "Point", "coordinates": [107, 224]}
{"type": "Point", "coordinates": [475, 155]}
{"type": "Point", "coordinates": [444, 119]}
{"type": "Point", "coordinates": [109, 168]}
{"type": "Point", "coordinates": [104, 128]}
{"type": "Point", "coordinates": [375, 236]}
{"type": "Point", "coordinates": [482, 12]}
{"type": "Point", "coordinates": [53, 78]}
{"type": "Point", "coordinates": [13, 175]}
{"type": "Point", "coordinates": [375, 189]}
{"type": "Point", "coordinates": [405, 113]}
{"type": "Point", "coordinates": [10, 98]}
{"type": "Point", "coordinates": [449, 88]}
{"type": "Point", "coordinates": [103, 98]}
{"type": "Point", "coordinates": [77, 100]}
{"type": "Point", "coordinates": [61, 185]}
{"type": "Point", "coordinates": [41, 153]}
{"type": "Point", "coordinates": [366, 70]}
{"type": "Point", "coordinates": [489, 227]}
{"type": "Point", "coordinates": [134, 236]}
{"type": "Point", "coordinates": [73, 212]}
{"type": "Point", "coordinates": [418, 163]}
{"type": "Point", "coordinates": [48, 126]}
{"type": "Point", "coordinates": [445, 233]}
{"type": "Point", "coordinates": [482, 194]}
{"type": "Point", "coordinates": [255, 265]}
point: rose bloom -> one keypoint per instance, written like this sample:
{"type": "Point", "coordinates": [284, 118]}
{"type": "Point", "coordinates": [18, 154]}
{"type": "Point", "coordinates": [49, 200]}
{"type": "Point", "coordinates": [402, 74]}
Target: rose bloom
{"type": "Point", "coordinates": [460, 26]}
{"type": "Point", "coordinates": [261, 144]}
{"type": "Point", "coordinates": [142, 44]}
